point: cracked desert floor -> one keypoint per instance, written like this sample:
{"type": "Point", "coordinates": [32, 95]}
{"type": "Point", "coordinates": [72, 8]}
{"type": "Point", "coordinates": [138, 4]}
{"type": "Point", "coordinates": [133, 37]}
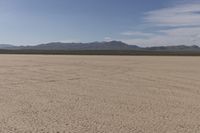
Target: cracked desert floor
{"type": "Point", "coordinates": [99, 94]}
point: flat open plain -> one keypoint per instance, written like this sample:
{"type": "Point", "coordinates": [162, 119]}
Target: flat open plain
{"type": "Point", "coordinates": [99, 94]}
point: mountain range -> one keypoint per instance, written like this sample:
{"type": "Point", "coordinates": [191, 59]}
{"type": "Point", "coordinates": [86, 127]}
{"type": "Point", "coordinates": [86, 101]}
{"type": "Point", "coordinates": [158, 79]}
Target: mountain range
{"type": "Point", "coordinates": [112, 45]}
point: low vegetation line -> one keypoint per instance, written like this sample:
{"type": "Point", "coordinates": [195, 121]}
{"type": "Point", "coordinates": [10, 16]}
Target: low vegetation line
{"type": "Point", "coordinates": [103, 52]}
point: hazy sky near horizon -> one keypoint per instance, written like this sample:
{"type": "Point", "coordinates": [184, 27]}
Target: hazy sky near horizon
{"type": "Point", "coordinates": [139, 22]}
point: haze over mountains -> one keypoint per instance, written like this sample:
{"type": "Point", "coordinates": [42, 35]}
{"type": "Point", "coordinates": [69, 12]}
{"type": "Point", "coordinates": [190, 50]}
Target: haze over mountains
{"type": "Point", "coordinates": [112, 45]}
{"type": "Point", "coordinates": [6, 46]}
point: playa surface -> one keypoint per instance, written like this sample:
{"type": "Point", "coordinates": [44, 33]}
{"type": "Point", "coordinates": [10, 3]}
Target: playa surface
{"type": "Point", "coordinates": [99, 94]}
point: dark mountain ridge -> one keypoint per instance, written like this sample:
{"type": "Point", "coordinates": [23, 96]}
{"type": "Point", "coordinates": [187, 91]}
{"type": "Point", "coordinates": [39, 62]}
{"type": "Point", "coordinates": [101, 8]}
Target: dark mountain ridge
{"type": "Point", "coordinates": [112, 45]}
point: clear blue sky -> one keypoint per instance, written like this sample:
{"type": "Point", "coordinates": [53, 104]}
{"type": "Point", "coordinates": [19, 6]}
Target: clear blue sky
{"type": "Point", "coordinates": [140, 22]}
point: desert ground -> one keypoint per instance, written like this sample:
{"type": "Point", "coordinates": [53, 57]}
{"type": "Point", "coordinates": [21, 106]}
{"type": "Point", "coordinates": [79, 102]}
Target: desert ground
{"type": "Point", "coordinates": [99, 94]}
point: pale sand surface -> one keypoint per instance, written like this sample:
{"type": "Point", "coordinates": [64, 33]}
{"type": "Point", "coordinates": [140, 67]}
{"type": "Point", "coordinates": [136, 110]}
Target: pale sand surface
{"type": "Point", "coordinates": [99, 94]}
